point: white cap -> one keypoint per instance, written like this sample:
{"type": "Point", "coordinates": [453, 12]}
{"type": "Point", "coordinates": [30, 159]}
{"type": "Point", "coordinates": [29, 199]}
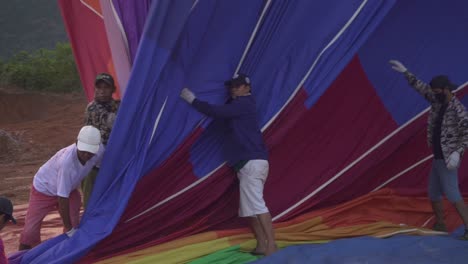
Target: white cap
{"type": "Point", "coordinates": [89, 139]}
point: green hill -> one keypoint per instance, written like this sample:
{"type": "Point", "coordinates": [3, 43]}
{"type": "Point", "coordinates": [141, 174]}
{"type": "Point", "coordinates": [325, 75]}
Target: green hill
{"type": "Point", "coordinates": [29, 25]}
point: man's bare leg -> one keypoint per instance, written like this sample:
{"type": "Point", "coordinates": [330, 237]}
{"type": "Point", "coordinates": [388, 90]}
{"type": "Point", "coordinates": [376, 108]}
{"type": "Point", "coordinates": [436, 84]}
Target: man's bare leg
{"type": "Point", "coordinates": [267, 226]}
{"type": "Point", "coordinates": [259, 235]}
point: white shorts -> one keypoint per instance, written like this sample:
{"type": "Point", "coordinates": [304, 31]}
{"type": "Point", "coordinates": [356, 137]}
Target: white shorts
{"type": "Point", "coordinates": [252, 177]}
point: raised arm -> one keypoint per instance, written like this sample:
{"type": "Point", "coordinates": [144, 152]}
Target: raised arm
{"type": "Point", "coordinates": [421, 87]}
{"type": "Point", "coordinates": [216, 111]}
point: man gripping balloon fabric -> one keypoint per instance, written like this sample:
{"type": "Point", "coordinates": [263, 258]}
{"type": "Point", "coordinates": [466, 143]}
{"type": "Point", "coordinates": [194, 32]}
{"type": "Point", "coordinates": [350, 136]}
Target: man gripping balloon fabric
{"type": "Point", "coordinates": [246, 153]}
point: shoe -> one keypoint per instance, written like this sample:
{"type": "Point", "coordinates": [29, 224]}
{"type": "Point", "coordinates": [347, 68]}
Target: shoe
{"type": "Point", "coordinates": [441, 227]}
{"type": "Point", "coordinates": [464, 236]}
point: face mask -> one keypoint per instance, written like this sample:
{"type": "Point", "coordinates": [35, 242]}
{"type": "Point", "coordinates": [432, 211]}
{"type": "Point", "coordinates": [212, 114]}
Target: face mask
{"type": "Point", "coordinates": [440, 97]}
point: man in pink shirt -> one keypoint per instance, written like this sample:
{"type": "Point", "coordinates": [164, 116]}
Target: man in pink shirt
{"type": "Point", "coordinates": [6, 215]}
{"type": "Point", "coordinates": [55, 186]}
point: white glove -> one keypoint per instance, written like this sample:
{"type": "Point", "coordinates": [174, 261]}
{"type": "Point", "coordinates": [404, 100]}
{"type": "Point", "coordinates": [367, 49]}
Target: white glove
{"type": "Point", "coordinates": [71, 232]}
{"type": "Point", "coordinates": [398, 66]}
{"type": "Point", "coordinates": [453, 160]}
{"type": "Point", "coordinates": [187, 95]}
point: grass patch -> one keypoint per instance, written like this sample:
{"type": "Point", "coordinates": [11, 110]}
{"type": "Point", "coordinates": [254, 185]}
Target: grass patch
{"type": "Point", "coordinates": [51, 70]}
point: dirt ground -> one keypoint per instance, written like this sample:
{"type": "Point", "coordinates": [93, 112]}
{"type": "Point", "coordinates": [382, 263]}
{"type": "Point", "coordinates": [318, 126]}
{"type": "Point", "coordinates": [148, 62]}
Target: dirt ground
{"type": "Point", "coordinates": [33, 127]}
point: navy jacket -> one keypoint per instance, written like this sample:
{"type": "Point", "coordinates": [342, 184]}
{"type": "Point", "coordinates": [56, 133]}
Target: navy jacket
{"type": "Point", "coordinates": [243, 138]}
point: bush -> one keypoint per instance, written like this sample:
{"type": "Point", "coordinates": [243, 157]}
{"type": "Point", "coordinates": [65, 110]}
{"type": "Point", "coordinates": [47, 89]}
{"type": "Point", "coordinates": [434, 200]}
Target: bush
{"type": "Point", "coordinates": [42, 70]}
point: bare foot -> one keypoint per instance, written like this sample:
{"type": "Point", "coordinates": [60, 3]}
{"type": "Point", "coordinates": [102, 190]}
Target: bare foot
{"type": "Point", "coordinates": [271, 249]}
{"type": "Point", "coordinates": [259, 250]}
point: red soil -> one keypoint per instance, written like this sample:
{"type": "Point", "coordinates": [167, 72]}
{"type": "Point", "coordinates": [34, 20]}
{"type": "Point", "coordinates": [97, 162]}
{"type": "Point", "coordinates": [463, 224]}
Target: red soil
{"type": "Point", "coordinates": [33, 127]}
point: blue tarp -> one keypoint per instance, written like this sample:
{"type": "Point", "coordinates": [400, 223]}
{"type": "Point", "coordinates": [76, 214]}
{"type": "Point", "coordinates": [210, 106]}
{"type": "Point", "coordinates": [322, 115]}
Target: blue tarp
{"type": "Point", "coordinates": [401, 249]}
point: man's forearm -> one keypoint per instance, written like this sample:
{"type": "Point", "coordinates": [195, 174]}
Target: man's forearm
{"type": "Point", "coordinates": [64, 211]}
{"type": "Point", "coordinates": [420, 86]}
{"type": "Point", "coordinates": [217, 111]}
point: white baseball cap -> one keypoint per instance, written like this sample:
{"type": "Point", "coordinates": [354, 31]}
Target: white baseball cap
{"type": "Point", "coordinates": [89, 139]}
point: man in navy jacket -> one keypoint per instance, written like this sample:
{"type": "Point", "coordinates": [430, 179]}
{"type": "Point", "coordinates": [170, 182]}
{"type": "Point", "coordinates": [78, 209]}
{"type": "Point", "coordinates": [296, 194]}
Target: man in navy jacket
{"type": "Point", "coordinates": [246, 153]}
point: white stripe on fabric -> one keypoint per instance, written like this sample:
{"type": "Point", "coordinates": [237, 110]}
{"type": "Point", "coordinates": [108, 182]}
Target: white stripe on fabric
{"type": "Point", "coordinates": [175, 194]}
{"type": "Point", "coordinates": [252, 37]}
{"type": "Point", "coordinates": [412, 230]}
{"type": "Point", "coordinates": [92, 9]}
{"type": "Point", "coordinates": [461, 87]}
{"type": "Point", "coordinates": [403, 172]}
{"type": "Point", "coordinates": [427, 221]}
{"type": "Point", "coordinates": [156, 122]}
{"type": "Point", "coordinates": [193, 6]}
{"type": "Point", "coordinates": [164, 104]}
